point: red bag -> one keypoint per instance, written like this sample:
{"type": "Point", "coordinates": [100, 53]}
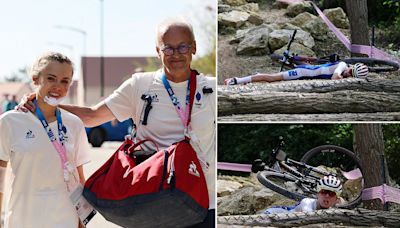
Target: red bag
{"type": "Point", "coordinates": [166, 190]}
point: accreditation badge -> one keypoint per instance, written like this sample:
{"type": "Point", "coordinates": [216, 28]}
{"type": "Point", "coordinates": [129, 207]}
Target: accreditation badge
{"type": "Point", "coordinates": [83, 208]}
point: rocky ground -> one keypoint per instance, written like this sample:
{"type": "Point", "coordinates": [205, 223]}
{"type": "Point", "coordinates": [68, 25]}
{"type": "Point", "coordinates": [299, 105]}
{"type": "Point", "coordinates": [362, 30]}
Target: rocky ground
{"type": "Point", "coordinates": [248, 32]}
{"type": "Point", "coordinates": [245, 196]}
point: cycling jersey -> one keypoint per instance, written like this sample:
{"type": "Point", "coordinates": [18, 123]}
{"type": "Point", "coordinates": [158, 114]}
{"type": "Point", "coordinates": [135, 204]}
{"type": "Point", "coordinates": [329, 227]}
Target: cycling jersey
{"type": "Point", "coordinates": [305, 205]}
{"type": "Point", "coordinates": [323, 71]}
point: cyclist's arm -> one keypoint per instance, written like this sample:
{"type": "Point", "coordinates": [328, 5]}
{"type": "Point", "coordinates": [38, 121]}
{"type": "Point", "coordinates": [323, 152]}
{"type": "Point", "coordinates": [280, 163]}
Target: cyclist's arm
{"type": "Point", "coordinates": [337, 74]}
{"type": "Point", "coordinates": [91, 116]}
{"type": "Point", "coordinates": [306, 205]}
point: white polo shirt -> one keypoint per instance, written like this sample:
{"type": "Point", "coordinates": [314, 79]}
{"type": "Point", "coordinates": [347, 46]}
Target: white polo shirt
{"type": "Point", "coordinates": [39, 196]}
{"type": "Point", "coordinates": [164, 126]}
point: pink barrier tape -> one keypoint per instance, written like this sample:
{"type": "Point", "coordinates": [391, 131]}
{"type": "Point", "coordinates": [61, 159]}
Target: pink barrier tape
{"type": "Point", "coordinates": [290, 1]}
{"type": "Point", "coordinates": [353, 174]}
{"type": "Point", "coordinates": [384, 192]}
{"type": "Point", "coordinates": [234, 166]}
{"type": "Point", "coordinates": [354, 48]}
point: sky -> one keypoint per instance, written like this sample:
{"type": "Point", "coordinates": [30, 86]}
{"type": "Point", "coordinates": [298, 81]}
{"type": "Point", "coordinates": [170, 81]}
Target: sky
{"type": "Point", "coordinates": [29, 28]}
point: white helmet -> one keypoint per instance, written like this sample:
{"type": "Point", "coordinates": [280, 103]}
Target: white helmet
{"type": "Point", "coordinates": [360, 70]}
{"type": "Point", "coordinates": [330, 183]}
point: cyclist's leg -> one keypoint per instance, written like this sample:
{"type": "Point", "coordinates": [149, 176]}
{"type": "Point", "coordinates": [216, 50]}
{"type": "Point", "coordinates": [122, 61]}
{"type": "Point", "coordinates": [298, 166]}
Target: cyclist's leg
{"type": "Point", "coordinates": [267, 77]}
{"type": "Point", "coordinates": [237, 80]}
{"type": "Point", "coordinates": [254, 78]}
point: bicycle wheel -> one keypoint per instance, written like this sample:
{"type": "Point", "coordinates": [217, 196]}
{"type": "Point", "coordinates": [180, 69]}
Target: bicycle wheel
{"type": "Point", "coordinates": [282, 183]}
{"type": "Point", "coordinates": [345, 165]}
{"type": "Point", "coordinates": [374, 65]}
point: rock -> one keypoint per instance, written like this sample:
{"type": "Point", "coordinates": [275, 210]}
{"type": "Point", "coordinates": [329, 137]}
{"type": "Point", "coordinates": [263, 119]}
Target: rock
{"type": "Point", "coordinates": [317, 28]}
{"type": "Point", "coordinates": [275, 26]}
{"type": "Point", "coordinates": [255, 19]}
{"type": "Point", "coordinates": [253, 45]}
{"type": "Point", "coordinates": [245, 181]}
{"type": "Point", "coordinates": [297, 8]}
{"type": "Point", "coordinates": [225, 187]}
{"type": "Point", "coordinates": [239, 36]}
{"type": "Point", "coordinates": [233, 19]}
{"type": "Point", "coordinates": [290, 26]}
{"type": "Point", "coordinates": [279, 5]}
{"type": "Point", "coordinates": [246, 201]}
{"type": "Point", "coordinates": [255, 41]}
{"type": "Point", "coordinates": [312, 24]}
{"type": "Point", "coordinates": [280, 38]}
{"type": "Point", "coordinates": [249, 7]}
{"type": "Point", "coordinates": [302, 19]}
{"type": "Point", "coordinates": [352, 188]}
{"type": "Point", "coordinates": [223, 8]}
{"type": "Point", "coordinates": [297, 49]}
{"type": "Point", "coordinates": [256, 1]}
{"type": "Point", "coordinates": [337, 17]}
{"type": "Point", "coordinates": [234, 2]}
{"type": "Point", "coordinates": [241, 33]}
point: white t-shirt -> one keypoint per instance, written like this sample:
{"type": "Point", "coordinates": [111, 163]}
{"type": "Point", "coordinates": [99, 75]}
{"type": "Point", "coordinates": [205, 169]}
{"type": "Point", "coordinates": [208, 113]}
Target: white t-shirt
{"type": "Point", "coordinates": [164, 126]}
{"type": "Point", "coordinates": [306, 205]}
{"type": "Point", "coordinates": [39, 197]}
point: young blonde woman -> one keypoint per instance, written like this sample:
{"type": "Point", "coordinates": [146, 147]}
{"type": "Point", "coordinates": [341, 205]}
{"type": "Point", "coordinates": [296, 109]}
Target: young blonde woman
{"type": "Point", "coordinates": [45, 151]}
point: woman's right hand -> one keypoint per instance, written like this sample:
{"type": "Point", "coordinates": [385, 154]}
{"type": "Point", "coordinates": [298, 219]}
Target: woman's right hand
{"type": "Point", "coordinates": [26, 103]}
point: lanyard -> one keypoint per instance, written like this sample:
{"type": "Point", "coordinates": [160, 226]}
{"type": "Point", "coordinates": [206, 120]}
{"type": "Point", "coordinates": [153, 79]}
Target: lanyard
{"type": "Point", "coordinates": [183, 115]}
{"type": "Point", "coordinates": [59, 146]}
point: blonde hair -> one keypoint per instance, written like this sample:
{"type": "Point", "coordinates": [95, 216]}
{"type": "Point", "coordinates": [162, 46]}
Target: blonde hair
{"type": "Point", "coordinates": [42, 61]}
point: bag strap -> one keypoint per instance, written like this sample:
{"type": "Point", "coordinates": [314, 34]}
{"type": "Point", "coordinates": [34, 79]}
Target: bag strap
{"type": "Point", "coordinates": [134, 146]}
{"type": "Point", "coordinates": [193, 84]}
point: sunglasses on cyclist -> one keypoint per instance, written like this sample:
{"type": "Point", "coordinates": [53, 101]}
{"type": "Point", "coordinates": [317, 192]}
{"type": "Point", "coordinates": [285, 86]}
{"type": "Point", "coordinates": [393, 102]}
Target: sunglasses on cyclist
{"type": "Point", "coordinates": [327, 192]}
{"type": "Point", "coordinates": [182, 49]}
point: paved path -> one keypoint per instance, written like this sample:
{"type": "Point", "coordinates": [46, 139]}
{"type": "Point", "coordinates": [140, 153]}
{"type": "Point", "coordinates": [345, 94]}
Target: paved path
{"type": "Point", "coordinates": [99, 156]}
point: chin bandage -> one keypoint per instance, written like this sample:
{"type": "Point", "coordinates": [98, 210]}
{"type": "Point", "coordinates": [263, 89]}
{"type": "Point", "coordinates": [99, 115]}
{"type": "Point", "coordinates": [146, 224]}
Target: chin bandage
{"type": "Point", "coordinates": [53, 101]}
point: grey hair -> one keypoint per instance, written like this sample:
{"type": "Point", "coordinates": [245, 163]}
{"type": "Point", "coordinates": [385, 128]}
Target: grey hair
{"type": "Point", "coordinates": [163, 27]}
{"type": "Point", "coordinates": [43, 60]}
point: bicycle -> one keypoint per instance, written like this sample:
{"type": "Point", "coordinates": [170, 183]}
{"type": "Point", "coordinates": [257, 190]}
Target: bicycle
{"type": "Point", "coordinates": [290, 61]}
{"type": "Point", "coordinates": [298, 179]}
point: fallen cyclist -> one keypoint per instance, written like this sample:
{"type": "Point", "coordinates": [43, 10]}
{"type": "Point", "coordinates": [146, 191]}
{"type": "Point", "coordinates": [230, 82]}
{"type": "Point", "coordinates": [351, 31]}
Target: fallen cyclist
{"type": "Point", "coordinates": [334, 71]}
{"type": "Point", "coordinates": [329, 189]}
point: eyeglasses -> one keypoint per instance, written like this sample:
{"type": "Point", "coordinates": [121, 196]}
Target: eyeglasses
{"type": "Point", "coordinates": [182, 49]}
{"type": "Point", "coordinates": [327, 192]}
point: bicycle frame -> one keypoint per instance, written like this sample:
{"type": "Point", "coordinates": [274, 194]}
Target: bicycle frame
{"type": "Point", "coordinates": [279, 162]}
